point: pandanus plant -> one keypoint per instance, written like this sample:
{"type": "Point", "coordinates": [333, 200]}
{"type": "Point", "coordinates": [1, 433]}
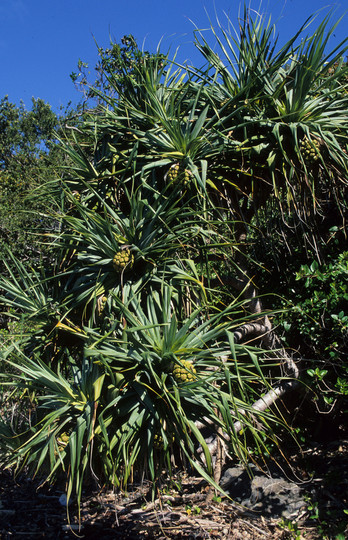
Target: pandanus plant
{"type": "Point", "coordinates": [281, 113]}
{"type": "Point", "coordinates": [153, 347]}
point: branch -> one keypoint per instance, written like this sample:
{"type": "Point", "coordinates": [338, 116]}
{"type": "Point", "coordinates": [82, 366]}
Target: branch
{"type": "Point", "coordinates": [263, 329]}
{"type": "Point", "coordinates": [251, 328]}
{"type": "Point", "coordinates": [260, 406]}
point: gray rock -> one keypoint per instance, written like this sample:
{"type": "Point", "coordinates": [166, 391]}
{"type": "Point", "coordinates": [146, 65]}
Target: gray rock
{"type": "Point", "coordinates": [270, 495]}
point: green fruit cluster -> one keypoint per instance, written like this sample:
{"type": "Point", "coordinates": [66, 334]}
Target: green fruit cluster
{"type": "Point", "coordinates": [310, 149]}
{"type": "Point", "coordinates": [123, 260]}
{"type": "Point", "coordinates": [184, 372]}
{"type": "Point", "coordinates": [177, 173]}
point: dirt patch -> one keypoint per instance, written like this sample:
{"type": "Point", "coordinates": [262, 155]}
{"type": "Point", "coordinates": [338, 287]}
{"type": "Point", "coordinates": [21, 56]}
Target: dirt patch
{"type": "Point", "coordinates": [29, 512]}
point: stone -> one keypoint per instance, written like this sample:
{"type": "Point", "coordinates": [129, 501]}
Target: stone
{"type": "Point", "coordinates": [271, 495]}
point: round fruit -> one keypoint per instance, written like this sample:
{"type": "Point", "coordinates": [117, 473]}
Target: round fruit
{"type": "Point", "coordinates": [184, 372]}
{"type": "Point", "coordinates": [310, 149]}
{"type": "Point", "coordinates": [123, 260]}
{"type": "Point", "coordinates": [177, 173]}
{"type": "Point", "coordinates": [158, 441]}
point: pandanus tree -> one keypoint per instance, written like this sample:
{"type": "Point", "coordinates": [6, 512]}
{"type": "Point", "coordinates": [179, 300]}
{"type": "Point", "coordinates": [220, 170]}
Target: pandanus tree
{"type": "Point", "coordinates": [145, 334]}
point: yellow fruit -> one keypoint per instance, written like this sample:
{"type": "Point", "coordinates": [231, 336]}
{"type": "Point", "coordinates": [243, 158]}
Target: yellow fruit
{"type": "Point", "coordinates": [102, 303]}
{"type": "Point", "coordinates": [123, 260]}
{"type": "Point", "coordinates": [62, 441]}
{"type": "Point", "coordinates": [177, 173]}
{"type": "Point", "coordinates": [184, 372]}
{"type": "Point", "coordinates": [310, 149]}
{"type": "Point", "coordinates": [158, 441]}
{"type": "Point", "coordinates": [64, 437]}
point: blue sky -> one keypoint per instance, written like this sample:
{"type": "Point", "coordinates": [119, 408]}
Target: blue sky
{"type": "Point", "coordinates": [41, 41]}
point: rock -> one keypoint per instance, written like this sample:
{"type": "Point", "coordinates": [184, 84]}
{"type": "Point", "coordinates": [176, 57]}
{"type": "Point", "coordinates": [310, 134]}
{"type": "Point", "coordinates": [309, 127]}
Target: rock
{"type": "Point", "coordinates": [63, 500]}
{"type": "Point", "coordinates": [272, 495]}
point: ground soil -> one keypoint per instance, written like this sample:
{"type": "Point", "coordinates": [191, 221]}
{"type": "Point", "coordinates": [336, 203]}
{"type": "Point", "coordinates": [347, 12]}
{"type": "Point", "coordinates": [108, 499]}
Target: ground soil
{"type": "Point", "coordinates": [27, 511]}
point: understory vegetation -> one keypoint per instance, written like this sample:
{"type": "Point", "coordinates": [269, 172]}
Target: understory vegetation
{"type": "Point", "coordinates": [175, 260]}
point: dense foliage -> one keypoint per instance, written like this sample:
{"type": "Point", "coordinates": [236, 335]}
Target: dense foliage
{"type": "Point", "coordinates": [144, 334]}
{"type": "Point", "coordinates": [27, 164]}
